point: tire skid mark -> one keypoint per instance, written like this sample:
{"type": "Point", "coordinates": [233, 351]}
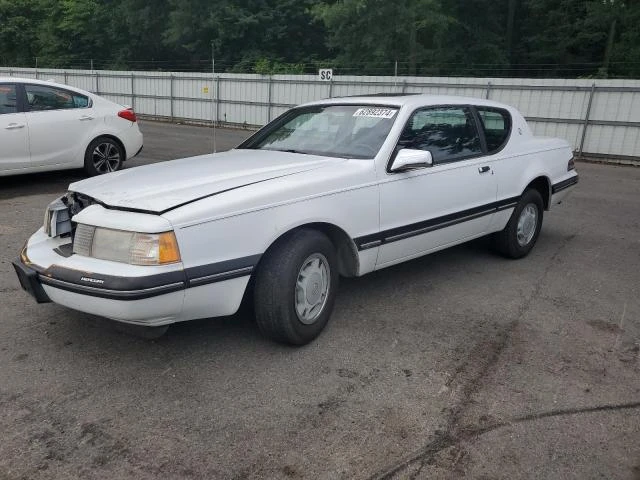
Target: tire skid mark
{"type": "Point", "coordinates": [482, 359]}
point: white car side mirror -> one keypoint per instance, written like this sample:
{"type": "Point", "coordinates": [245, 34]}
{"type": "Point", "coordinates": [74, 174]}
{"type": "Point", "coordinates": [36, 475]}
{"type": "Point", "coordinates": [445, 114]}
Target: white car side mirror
{"type": "Point", "coordinates": [410, 159]}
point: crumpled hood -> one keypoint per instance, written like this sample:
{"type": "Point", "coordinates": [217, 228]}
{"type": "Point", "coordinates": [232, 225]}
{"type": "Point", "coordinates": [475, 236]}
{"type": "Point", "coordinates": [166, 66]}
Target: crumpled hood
{"type": "Point", "coordinates": [162, 186]}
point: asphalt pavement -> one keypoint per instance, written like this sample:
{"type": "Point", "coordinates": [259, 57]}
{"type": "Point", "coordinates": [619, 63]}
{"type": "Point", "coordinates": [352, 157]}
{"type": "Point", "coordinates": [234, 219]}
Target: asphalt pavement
{"type": "Point", "coordinates": [461, 364]}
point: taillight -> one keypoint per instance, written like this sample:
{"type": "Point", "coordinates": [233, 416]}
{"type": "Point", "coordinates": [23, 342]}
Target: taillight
{"type": "Point", "coordinates": [128, 114]}
{"type": "Point", "coordinates": [571, 165]}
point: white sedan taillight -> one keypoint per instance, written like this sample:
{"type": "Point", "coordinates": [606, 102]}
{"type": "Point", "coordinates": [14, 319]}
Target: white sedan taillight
{"type": "Point", "coordinates": [128, 114]}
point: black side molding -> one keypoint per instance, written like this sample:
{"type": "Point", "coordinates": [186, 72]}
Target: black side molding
{"type": "Point", "coordinates": [569, 182]}
{"type": "Point", "coordinates": [432, 224]}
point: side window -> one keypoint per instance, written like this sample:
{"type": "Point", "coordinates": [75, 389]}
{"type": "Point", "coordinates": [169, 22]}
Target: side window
{"type": "Point", "coordinates": [8, 98]}
{"type": "Point", "coordinates": [449, 133]}
{"type": "Point", "coordinates": [41, 97]}
{"type": "Point", "coordinates": [80, 101]}
{"type": "Point", "coordinates": [497, 126]}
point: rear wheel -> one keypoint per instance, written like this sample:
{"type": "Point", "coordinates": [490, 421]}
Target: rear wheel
{"type": "Point", "coordinates": [295, 287]}
{"type": "Point", "coordinates": [103, 155]}
{"type": "Point", "coordinates": [521, 233]}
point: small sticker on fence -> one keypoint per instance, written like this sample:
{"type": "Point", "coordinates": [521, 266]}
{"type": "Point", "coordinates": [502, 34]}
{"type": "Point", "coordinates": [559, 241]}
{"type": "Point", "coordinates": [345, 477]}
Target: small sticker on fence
{"type": "Point", "coordinates": [205, 89]}
{"type": "Point", "coordinates": [375, 112]}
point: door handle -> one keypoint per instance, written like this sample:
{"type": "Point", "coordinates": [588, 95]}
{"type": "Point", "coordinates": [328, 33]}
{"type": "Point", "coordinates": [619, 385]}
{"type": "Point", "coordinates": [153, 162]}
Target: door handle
{"type": "Point", "coordinates": [14, 126]}
{"type": "Point", "coordinates": [85, 117]}
{"type": "Point", "coordinates": [484, 169]}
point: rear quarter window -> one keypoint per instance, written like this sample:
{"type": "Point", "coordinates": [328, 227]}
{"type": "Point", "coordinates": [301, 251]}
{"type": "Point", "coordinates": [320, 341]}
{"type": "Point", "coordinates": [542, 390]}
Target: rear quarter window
{"type": "Point", "coordinates": [497, 127]}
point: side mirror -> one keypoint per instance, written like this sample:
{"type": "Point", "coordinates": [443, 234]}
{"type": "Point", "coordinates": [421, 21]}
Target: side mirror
{"type": "Point", "coordinates": [410, 159]}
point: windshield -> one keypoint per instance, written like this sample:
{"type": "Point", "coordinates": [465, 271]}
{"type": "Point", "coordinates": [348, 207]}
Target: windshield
{"type": "Point", "coordinates": [345, 131]}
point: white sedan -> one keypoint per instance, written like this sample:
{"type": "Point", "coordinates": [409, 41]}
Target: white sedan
{"type": "Point", "coordinates": [336, 187]}
{"type": "Point", "coordinates": [47, 126]}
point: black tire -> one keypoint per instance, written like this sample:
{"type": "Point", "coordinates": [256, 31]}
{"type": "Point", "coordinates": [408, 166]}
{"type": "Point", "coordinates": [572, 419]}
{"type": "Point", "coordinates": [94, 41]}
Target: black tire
{"type": "Point", "coordinates": [275, 287]}
{"type": "Point", "coordinates": [506, 242]}
{"type": "Point", "coordinates": [96, 152]}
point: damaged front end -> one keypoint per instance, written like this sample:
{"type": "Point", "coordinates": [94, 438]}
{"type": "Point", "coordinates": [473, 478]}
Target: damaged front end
{"type": "Point", "coordinates": [58, 215]}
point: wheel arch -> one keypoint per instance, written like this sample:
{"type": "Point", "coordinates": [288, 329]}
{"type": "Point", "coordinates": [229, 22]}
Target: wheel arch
{"type": "Point", "coordinates": [346, 250]}
{"type": "Point", "coordinates": [112, 137]}
{"type": "Point", "coordinates": [543, 185]}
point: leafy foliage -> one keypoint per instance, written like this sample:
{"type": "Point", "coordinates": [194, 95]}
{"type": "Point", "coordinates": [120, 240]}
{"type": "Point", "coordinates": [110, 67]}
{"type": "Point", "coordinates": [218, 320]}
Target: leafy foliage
{"type": "Point", "coordinates": [431, 37]}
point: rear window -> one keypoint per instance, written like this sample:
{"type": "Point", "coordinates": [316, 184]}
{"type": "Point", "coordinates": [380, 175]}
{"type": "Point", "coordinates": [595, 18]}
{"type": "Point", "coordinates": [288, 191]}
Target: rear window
{"type": "Point", "coordinates": [497, 126]}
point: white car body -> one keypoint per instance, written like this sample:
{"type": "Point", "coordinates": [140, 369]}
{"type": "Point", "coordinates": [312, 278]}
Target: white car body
{"type": "Point", "coordinates": [228, 209]}
{"type": "Point", "coordinates": [57, 139]}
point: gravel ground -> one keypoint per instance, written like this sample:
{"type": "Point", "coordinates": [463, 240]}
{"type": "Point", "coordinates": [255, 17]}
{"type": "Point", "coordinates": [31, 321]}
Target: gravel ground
{"type": "Point", "coordinates": [459, 364]}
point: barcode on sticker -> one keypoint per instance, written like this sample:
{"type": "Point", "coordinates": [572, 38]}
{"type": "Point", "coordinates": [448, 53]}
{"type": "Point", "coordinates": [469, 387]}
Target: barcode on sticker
{"type": "Point", "coordinates": [375, 112]}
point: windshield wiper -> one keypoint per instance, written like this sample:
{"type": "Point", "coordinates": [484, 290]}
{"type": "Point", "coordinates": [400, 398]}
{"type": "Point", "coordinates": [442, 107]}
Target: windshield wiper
{"type": "Point", "coordinates": [291, 150]}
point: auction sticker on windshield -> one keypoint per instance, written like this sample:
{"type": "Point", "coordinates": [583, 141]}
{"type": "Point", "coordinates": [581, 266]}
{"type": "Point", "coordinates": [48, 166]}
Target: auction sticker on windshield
{"type": "Point", "coordinates": [375, 112]}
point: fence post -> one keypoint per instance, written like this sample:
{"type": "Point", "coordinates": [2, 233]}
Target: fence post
{"type": "Point", "coordinates": [270, 93]}
{"type": "Point", "coordinates": [97, 83]}
{"type": "Point", "coordinates": [218, 100]}
{"type": "Point", "coordinates": [586, 119]}
{"type": "Point", "coordinates": [66, 78]}
{"type": "Point", "coordinates": [404, 86]}
{"type": "Point", "coordinates": [133, 92]}
{"type": "Point", "coordinates": [488, 91]}
{"type": "Point", "coordinates": [331, 87]}
{"type": "Point", "coordinates": [171, 96]}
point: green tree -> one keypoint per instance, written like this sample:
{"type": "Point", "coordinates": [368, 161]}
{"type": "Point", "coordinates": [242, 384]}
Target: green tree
{"type": "Point", "coordinates": [477, 41]}
{"type": "Point", "coordinates": [20, 21]}
{"type": "Point", "coordinates": [572, 37]}
{"type": "Point", "coordinates": [136, 29]}
{"type": "Point", "coordinates": [372, 34]}
{"type": "Point", "coordinates": [73, 32]}
{"type": "Point", "coordinates": [244, 31]}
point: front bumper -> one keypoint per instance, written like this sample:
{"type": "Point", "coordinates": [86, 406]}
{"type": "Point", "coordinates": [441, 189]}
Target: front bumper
{"type": "Point", "coordinates": [131, 300]}
{"type": "Point", "coordinates": [140, 295]}
{"type": "Point", "coordinates": [30, 282]}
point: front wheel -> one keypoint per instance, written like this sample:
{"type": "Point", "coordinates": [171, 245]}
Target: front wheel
{"type": "Point", "coordinates": [295, 287]}
{"type": "Point", "coordinates": [521, 233]}
{"type": "Point", "coordinates": [103, 155]}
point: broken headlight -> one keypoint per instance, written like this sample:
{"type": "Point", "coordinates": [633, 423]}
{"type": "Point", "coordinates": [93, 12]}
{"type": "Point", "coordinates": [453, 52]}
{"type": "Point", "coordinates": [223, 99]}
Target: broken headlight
{"type": "Point", "coordinates": [57, 218]}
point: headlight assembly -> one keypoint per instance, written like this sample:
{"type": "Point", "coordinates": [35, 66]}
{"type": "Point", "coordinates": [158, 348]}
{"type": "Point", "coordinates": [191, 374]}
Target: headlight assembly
{"type": "Point", "coordinates": [57, 219]}
{"type": "Point", "coordinates": [126, 247]}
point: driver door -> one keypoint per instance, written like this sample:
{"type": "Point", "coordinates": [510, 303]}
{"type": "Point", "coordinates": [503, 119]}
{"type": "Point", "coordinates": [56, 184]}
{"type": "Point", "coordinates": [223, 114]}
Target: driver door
{"type": "Point", "coordinates": [430, 208]}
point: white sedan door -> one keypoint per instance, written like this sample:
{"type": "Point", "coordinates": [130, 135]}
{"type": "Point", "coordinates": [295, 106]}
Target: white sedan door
{"type": "Point", "coordinates": [427, 209]}
{"type": "Point", "coordinates": [60, 125]}
{"type": "Point", "coordinates": [14, 134]}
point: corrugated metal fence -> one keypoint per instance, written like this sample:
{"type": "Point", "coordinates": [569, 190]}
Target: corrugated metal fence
{"type": "Point", "coordinates": [600, 117]}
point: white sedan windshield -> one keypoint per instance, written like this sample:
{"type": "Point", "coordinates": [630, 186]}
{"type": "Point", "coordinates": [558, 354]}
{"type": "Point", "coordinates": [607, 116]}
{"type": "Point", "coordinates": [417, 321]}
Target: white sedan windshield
{"type": "Point", "coordinates": [347, 131]}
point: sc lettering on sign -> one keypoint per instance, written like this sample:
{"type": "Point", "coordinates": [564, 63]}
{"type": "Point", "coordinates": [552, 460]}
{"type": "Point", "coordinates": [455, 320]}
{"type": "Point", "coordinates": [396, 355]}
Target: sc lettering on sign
{"type": "Point", "coordinates": [325, 74]}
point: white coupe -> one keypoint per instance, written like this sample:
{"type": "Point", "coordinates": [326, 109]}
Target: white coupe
{"type": "Point", "coordinates": [336, 187]}
{"type": "Point", "coordinates": [47, 126]}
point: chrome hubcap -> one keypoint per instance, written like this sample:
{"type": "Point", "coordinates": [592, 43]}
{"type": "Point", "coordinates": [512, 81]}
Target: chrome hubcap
{"type": "Point", "coordinates": [312, 288]}
{"type": "Point", "coordinates": [527, 224]}
{"type": "Point", "coordinates": [106, 157]}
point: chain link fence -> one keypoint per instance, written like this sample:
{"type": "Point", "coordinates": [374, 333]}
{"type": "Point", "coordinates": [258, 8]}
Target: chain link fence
{"type": "Point", "coordinates": [601, 118]}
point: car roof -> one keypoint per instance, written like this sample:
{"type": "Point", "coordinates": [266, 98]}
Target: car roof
{"type": "Point", "coordinates": [43, 82]}
{"type": "Point", "coordinates": [410, 100]}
